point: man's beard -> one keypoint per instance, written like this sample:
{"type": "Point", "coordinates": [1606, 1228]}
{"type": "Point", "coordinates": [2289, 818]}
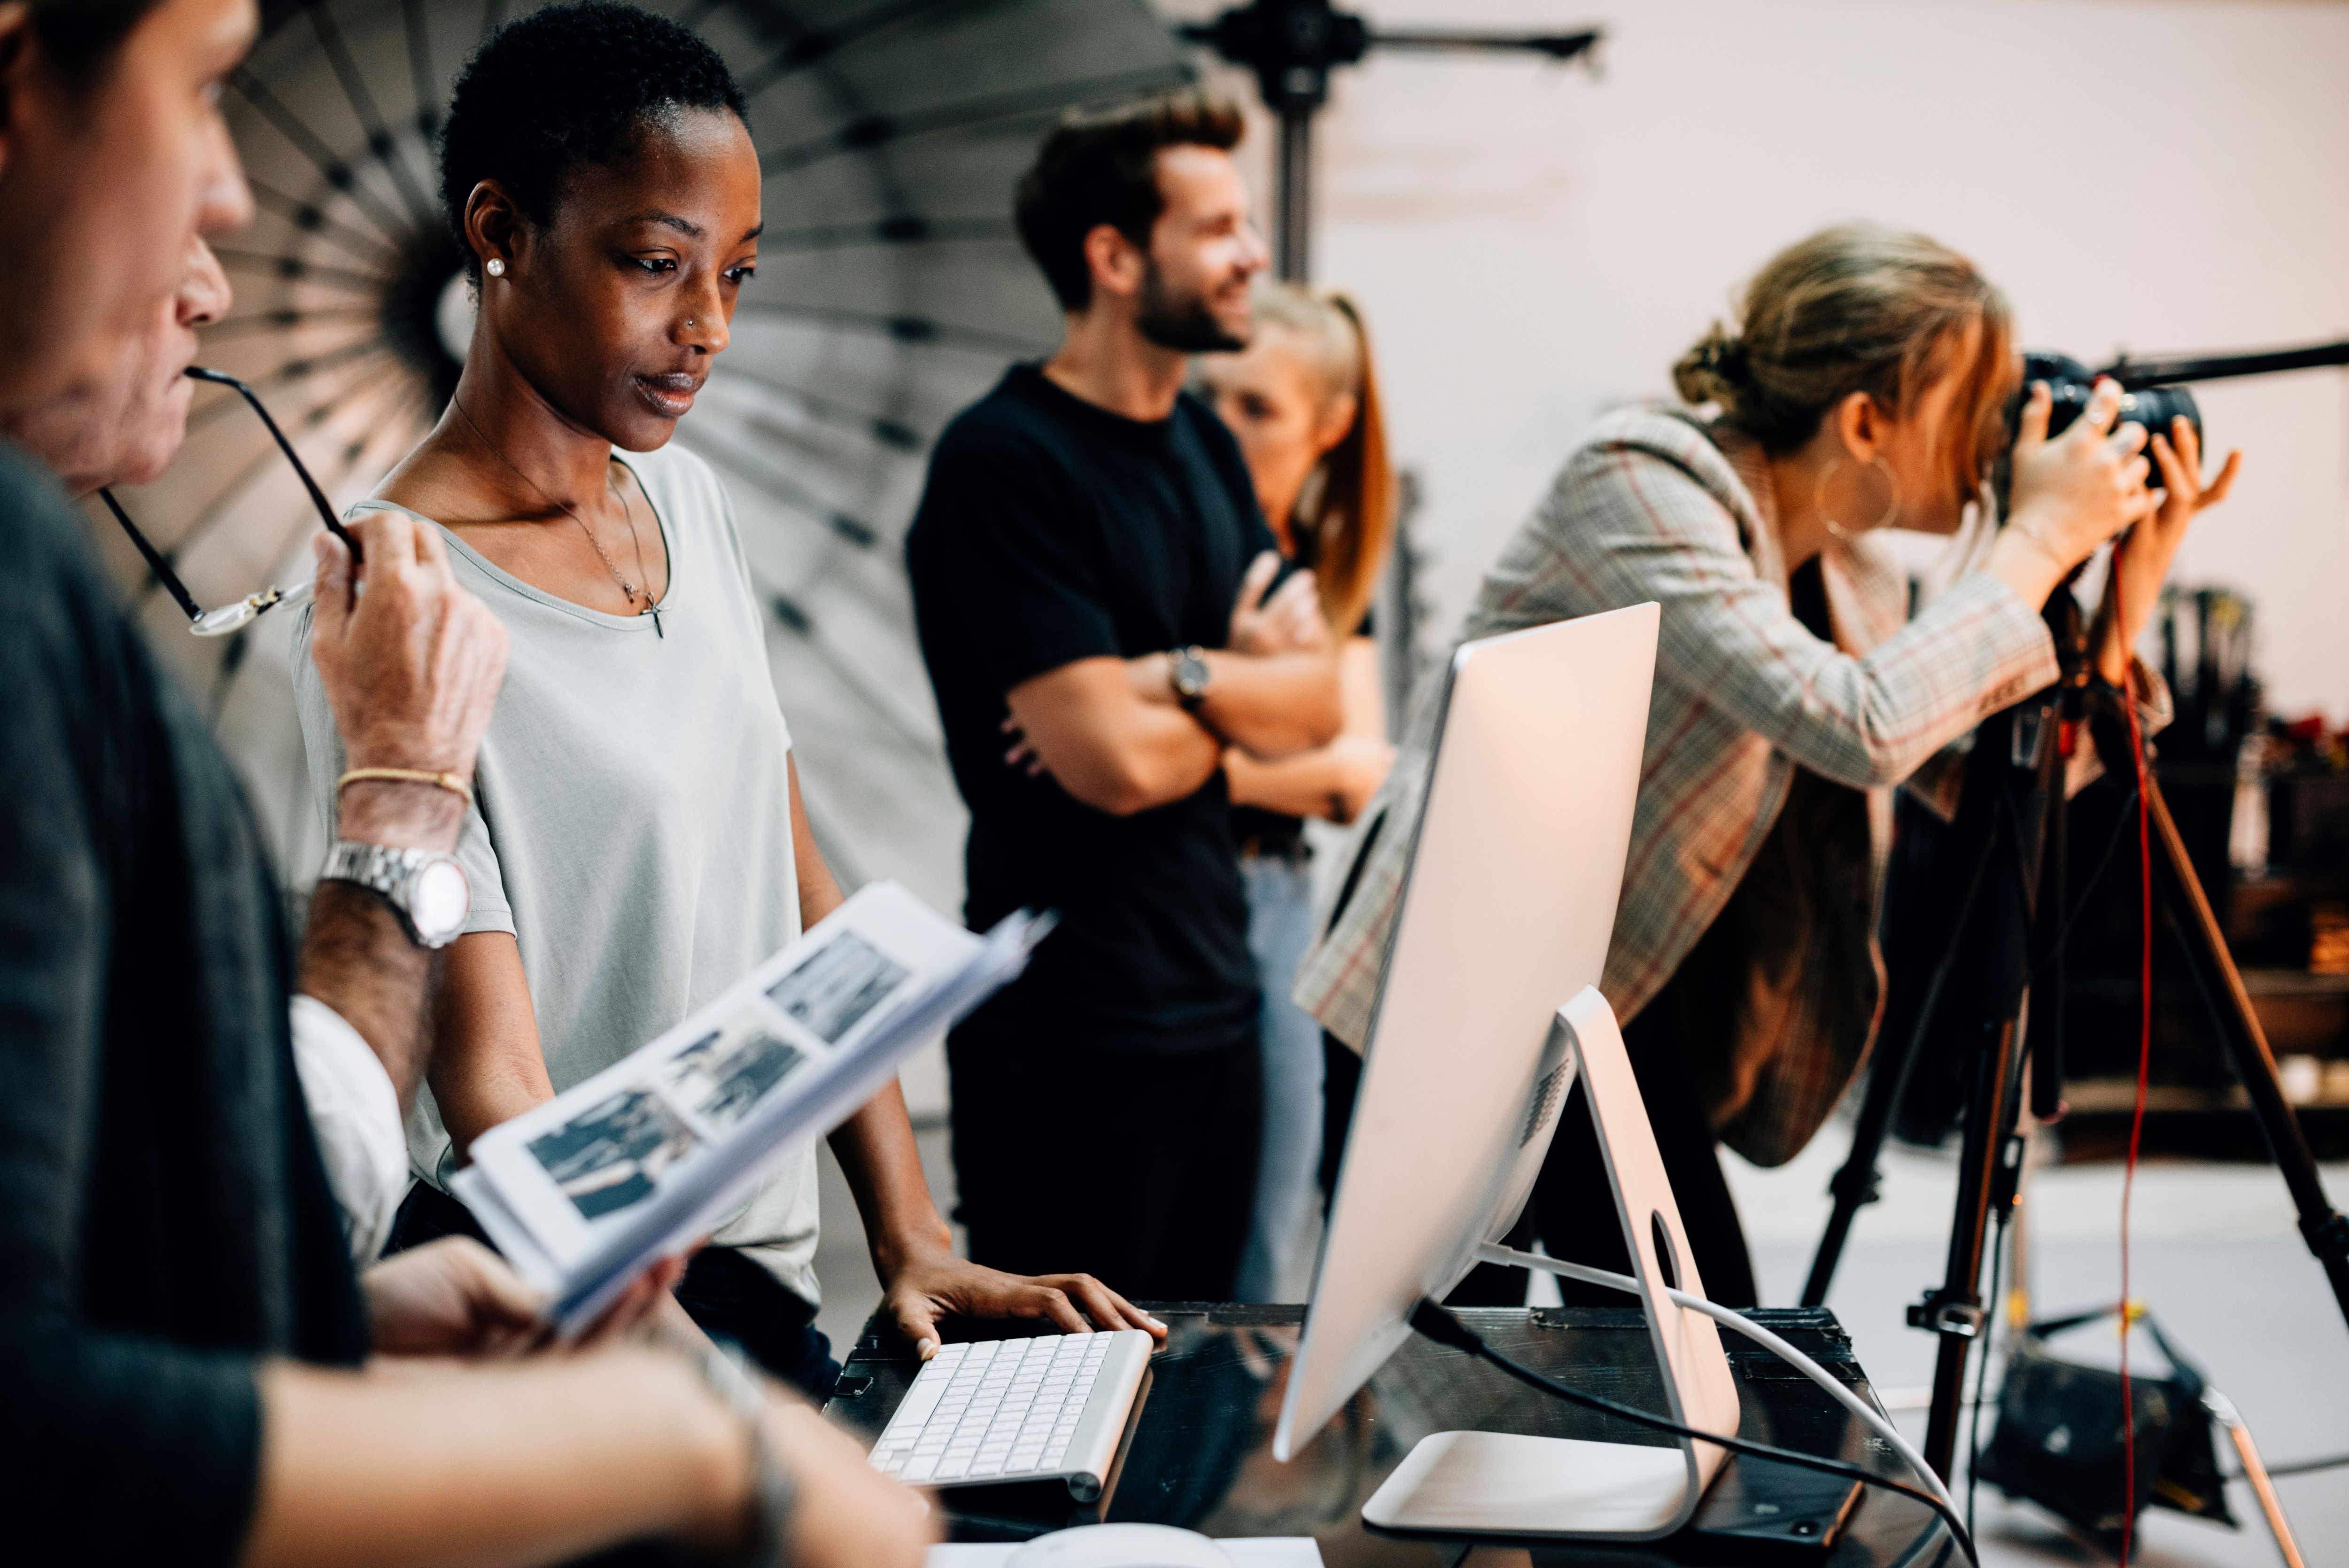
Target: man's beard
{"type": "Point", "coordinates": [1184, 325]}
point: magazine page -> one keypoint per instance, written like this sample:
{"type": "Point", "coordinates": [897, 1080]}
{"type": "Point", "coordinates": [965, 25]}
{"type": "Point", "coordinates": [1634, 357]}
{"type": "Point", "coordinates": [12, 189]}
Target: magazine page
{"type": "Point", "coordinates": [648, 1156]}
{"type": "Point", "coordinates": [568, 1174]}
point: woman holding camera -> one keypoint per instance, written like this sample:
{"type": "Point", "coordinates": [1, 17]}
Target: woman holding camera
{"type": "Point", "coordinates": [1865, 387]}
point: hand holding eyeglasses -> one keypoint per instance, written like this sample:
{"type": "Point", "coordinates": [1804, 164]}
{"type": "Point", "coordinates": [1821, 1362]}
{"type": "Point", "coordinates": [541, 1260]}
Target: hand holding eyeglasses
{"type": "Point", "coordinates": [411, 664]}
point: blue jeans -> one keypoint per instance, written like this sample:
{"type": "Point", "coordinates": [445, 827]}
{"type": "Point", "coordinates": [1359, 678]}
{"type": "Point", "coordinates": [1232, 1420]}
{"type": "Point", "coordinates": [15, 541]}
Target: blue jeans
{"type": "Point", "coordinates": [1280, 928]}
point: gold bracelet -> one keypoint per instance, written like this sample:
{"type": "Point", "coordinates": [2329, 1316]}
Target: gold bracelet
{"type": "Point", "coordinates": [449, 782]}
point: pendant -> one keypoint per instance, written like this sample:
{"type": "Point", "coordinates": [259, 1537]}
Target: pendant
{"type": "Point", "coordinates": [654, 611]}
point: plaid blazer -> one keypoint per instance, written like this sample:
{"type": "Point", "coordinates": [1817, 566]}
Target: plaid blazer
{"type": "Point", "coordinates": [1652, 505]}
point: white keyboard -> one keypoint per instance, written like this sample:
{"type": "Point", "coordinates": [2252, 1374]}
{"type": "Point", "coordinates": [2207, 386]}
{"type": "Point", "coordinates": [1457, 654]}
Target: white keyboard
{"type": "Point", "coordinates": [999, 1410]}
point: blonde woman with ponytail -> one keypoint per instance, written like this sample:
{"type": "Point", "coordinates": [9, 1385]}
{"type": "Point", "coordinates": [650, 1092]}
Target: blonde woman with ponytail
{"type": "Point", "coordinates": [1863, 387]}
{"type": "Point", "coordinates": [1303, 400]}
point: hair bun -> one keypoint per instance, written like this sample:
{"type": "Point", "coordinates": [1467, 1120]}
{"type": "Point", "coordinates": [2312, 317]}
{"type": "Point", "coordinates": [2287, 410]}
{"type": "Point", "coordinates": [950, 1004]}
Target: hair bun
{"type": "Point", "coordinates": [1712, 371]}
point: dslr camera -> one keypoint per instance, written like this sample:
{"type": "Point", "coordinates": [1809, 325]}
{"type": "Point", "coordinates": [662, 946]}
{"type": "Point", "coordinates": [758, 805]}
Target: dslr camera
{"type": "Point", "coordinates": [2071, 383]}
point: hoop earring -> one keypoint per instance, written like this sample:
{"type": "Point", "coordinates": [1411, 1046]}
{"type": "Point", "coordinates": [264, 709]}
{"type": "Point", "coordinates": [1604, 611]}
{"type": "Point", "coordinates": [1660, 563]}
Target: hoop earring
{"type": "Point", "coordinates": [1891, 507]}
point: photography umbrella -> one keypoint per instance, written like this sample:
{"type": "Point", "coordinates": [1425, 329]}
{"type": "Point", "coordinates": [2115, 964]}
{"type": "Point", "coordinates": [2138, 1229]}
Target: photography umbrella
{"type": "Point", "coordinates": [891, 292]}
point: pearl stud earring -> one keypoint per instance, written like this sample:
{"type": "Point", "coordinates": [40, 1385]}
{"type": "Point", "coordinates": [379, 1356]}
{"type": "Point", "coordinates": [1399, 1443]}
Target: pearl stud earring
{"type": "Point", "coordinates": [495, 267]}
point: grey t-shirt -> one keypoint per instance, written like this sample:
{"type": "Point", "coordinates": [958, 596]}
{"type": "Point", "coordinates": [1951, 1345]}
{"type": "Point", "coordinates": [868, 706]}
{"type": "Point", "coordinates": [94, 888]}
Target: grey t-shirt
{"type": "Point", "coordinates": [631, 824]}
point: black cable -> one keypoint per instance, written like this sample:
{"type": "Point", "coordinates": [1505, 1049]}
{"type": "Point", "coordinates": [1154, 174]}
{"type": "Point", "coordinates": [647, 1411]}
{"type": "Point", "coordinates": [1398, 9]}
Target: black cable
{"type": "Point", "coordinates": [1926, 1537]}
{"type": "Point", "coordinates": [1981, 1374]}
{"type": "Point", "coordinates": [1438, 1324]}
{"type": "Point", "coordinates": [2298, 1468]}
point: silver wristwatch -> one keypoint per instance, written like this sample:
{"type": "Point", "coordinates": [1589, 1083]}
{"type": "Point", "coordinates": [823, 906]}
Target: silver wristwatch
{"type": "Point", "coordinates": [430, 891]}
{"type": "Point", "coordinates": [1189, 674]}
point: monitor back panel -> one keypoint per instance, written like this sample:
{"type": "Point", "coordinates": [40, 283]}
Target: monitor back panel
{"type": "Point", "coordinates": [1508, 908]}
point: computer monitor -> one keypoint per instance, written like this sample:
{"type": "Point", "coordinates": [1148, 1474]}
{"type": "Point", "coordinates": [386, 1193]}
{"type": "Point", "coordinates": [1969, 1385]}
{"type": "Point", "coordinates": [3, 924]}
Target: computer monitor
{"type": "Point", "coordinates": [1507, 906]}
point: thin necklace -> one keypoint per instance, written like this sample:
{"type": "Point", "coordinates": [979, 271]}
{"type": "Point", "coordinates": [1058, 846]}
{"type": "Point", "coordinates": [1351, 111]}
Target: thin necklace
{"type": "Point", "coordinates": [628, 588]}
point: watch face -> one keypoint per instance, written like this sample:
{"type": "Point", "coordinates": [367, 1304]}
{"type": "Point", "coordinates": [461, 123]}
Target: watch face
{"type": "Point", "coordinates": [439, 899]}
{"type": "Point", "coordinates": [1190, 674]}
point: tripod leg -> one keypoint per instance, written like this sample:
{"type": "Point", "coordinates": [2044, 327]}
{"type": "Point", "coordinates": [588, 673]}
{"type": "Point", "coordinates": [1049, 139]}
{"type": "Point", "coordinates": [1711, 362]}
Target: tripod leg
{"type": "Point", "coordinates": [1954, 1313]}
{"type": "Point", "coordinates": [1854, 1186]}
{"type": "Point", "coordinates": [2321, 1225]}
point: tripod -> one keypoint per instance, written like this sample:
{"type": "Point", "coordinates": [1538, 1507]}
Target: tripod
{"type": "Point", "coordinates": [1994, 978]}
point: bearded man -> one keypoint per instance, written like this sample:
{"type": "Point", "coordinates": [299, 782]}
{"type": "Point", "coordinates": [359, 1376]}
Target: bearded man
{"type": "Point", "coordinates": [1090, 573]}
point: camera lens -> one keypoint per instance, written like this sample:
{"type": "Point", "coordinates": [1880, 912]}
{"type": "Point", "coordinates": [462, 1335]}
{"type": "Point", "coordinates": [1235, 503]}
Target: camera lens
{"type": "Point", "coordinates": [2071, 383]}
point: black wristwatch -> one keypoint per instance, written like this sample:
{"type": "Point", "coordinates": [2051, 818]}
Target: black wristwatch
{"type": "Point", "coordinates": [1189, 675]}
{"type": "Point", "coordinates": [429, 892]}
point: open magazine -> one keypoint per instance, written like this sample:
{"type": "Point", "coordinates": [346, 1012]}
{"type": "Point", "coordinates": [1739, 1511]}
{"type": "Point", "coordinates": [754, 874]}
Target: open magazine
{"type": "Point", "coordinates": [585, 1192]}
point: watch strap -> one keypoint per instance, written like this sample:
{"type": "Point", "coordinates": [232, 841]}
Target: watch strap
{"type": "Point", "coordinates": [386, 870]}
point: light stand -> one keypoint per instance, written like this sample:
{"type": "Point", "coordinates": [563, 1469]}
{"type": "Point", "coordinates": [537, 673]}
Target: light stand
{"type": "Point", "coordinates": [1292, 46]}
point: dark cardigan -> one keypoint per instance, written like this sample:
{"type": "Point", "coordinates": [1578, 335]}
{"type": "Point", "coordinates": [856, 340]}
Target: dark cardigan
{"type": "Point", "coordinates": [164, 1218]}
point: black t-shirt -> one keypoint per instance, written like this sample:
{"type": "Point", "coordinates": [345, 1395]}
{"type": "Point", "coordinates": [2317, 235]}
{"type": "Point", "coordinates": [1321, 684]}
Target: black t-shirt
{"type": "Point", "coordinates": [1052, 530]}
{"type": "Point", "coordinates": [164, 1219]}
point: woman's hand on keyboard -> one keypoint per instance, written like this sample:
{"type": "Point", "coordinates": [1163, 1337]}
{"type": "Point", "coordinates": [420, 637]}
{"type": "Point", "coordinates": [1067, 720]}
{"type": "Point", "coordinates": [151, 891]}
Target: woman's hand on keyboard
{"type": "Point", "coordinates": [934, 1283]}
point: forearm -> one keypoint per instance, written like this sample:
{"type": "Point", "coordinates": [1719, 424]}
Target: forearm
{"type": "Point", "coordinates": [476, 1095]}
{"type": "Point", "coordinates": [1312, 784]}
{"type": "Point", "coordinates": [487, 1064]}
{"type": "Point", "coordinates": [884, 1166]}
{"type": "Point", "coordinates": [437, 1467]}
{"type": "Point", "coordinates": [1151, 756]}
{"type": "Point", "coordinates": [357, 957]}
{"type": "Point", "coordinates": [1271, 706]}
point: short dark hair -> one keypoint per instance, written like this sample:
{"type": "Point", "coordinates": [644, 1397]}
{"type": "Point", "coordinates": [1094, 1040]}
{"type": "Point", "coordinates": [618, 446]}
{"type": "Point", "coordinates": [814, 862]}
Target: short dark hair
{"type": "Point", "coordinates": [79, 37]}
{"type": "Point", "coordinates": [1100, 166]}
{"type": "Point", "coordinates": [565, 86]}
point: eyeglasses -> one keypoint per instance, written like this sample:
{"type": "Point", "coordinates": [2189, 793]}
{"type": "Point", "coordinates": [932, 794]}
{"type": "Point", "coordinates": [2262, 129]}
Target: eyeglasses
{"type": "Point", "coordinates": [233, 618]}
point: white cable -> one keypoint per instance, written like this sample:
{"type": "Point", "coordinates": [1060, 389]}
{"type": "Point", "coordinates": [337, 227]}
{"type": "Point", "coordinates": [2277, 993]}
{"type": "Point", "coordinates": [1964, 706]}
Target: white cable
{"type": "Point", "coordinates": [1754, 1330]}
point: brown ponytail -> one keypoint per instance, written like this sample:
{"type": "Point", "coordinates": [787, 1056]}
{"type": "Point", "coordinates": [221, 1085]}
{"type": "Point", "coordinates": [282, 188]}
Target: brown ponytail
{"type": "Point", "coordinates": [1345, 516]}
{"type": "Point", "coordinates": [1860, 308]}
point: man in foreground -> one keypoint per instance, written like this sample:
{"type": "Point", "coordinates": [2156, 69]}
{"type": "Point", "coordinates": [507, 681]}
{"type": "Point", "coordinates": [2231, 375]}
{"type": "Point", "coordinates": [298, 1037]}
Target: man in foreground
{"type": "Point", "coordinates": [1087, 565]}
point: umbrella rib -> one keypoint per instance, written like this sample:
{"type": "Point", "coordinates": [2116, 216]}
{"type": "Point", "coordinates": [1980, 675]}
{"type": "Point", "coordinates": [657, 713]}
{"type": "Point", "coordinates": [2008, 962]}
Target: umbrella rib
{"type": "Point", "coordinates": [331, 168]}
{"type": "Point", "coordinates": [796, 621]}
{"type": "Point", "coordinates": [815, 44]}
{"type": "Point", "coordinates": [907, 230]}
{"type": "Point", "coordinates": [905, 329]}
{"type": "Point", "coordinates": [285, 374]}
{"type": "Point", "coordinates": [868, 131]}
{"type": "Point", "coordinates": [793, 495]}
{"type": "Point", "coordinates": [420, 61]}
{"type": "Point", "coordinates": [294, 269]}
{"type": "Point", "coordinates": [311, 221]}
{"type": "Point", "coordinates": [380, 141]}
{"type": "Point", "coordinates": [889, 432]}
{"type": "Point", "coordinates": [286, 320]}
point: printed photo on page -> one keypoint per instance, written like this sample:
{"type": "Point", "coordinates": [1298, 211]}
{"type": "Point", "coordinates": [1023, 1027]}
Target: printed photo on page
{"type": "Point", "coordinates": [582, 1166]}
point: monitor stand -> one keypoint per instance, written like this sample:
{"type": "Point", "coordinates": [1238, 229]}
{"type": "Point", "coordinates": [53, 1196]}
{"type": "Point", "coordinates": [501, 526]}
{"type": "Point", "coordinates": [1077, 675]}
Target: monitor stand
{"type": "Point", "coordinates": [1495, 1483]}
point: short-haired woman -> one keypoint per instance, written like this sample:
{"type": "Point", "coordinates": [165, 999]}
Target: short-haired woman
{"type": "Point", "coordinates": [637, 842]}
{"type": "Point", "coordinates": [1864, 388]}
{"type": "Point", "coordinates": [1303, 400]}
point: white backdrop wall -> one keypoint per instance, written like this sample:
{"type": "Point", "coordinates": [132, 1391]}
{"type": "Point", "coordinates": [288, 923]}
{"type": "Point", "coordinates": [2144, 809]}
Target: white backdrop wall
{"type": "Point", "coordinates": [1533, 246]}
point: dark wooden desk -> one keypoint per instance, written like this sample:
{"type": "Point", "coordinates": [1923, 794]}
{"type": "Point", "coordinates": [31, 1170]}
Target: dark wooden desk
{"type": "Point", "coordinates": [1200, 1455]}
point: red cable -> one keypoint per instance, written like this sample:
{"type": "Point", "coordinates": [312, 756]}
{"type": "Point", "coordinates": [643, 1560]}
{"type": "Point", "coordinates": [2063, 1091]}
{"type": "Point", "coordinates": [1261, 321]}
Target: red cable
{"type": "Point", "coordinates": [2144, 1042]}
